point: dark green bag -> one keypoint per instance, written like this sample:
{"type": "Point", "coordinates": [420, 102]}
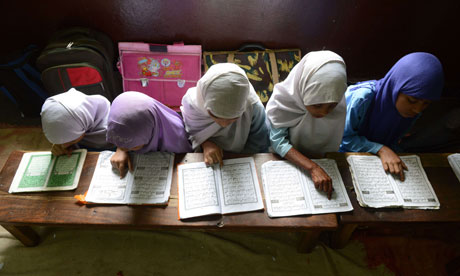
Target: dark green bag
{"type": "Point", "coordinates": [264, 67]}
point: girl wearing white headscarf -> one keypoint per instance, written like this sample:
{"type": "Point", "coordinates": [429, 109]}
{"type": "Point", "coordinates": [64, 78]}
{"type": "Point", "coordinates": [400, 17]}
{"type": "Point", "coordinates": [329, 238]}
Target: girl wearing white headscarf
{"type": "Point", "coordinates": [73, 117]}
{"type": "Point", "coordinates": [223, 112]}
{"type": "Point", "coordinates": [307, 113]}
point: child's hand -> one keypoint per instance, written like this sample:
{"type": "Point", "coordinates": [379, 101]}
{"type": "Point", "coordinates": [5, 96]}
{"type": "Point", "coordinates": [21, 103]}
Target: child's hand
{"type": "Point", "coordinates": [119, 160]}
{"type": "Point", "coordinates": [391, 162]}
{"type": "Point", "coordinates": [212, 153]}
{"type": "Point", "coordinates": [319, 177]}
{"type": "Point", "coordinates": [321, 180]}
{"type": "Point", "coordinates": [58, 149]}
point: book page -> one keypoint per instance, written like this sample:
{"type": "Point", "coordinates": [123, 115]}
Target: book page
{"type": "Point", "coordinates": [106, 185]}
{"type": "Point", "coordinates": [454, 161]}
{"type": "Point", "coordinates": [35, 169]}
{"type": "Point", "coordinates": [64, 172]}
{"type": "Point", "coordinates": [416, 190]}
{"type": "Point", "coordinates": [373, 186]}
{"type": "Point", "coordinates": [198, 190]}
{"type": "Point", "coordinates": [152, 178]}
{"type": "Point", "coordinates": [320, 204]}
{"type": "Point", "coordinates": [283, 189]}
{"type": "Point", "coordinates": [240, 187]}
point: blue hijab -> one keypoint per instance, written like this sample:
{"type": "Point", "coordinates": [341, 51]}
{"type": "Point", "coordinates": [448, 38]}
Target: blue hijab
{"type": "Point", "coordinates": [419, 75]}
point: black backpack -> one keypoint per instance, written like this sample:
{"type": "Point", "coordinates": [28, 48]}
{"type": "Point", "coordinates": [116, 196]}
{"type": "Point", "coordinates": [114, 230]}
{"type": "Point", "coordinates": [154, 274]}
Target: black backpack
{"type": "Point", "coordinates": [80, 58]}
{"type": "Point", "coordinates": [20, 82]}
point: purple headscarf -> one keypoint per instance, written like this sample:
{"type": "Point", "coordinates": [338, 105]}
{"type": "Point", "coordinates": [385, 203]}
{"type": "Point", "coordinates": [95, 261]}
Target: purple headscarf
{"type": "Point", "coordinates": [419, 75]}
{"type": "Point", "coordinates": [136, 119]}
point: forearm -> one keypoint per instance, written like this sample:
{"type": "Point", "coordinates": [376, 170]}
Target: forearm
{"type": "Point", "coordinates": [356, 143]}
{"type": "Point", "coordinates": [300, 160]}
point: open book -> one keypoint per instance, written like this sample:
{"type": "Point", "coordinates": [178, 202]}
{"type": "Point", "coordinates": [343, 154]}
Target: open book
{"type": "Point", "coordinates": [149, 183]}
{"type": "Point", "coordinates": [376, 188]}
{"type": "Point", "coordinates": [42, 171]}
{"type": "Point", "coordinates": [213, 190]}
{"type": "Point", "coordinates": [454, 161]}
{"type": "Point", "coordinates": [289, 190]}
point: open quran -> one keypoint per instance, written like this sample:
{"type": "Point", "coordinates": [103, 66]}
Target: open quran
{"type": "Point", "coordinates": [205, 190]}
{"type": "Point", "coordinates": [377, 188]}
{"type": "Point", "coordinates": [149, 183]}
{"type": "Point", "coordinates": [289, 190]}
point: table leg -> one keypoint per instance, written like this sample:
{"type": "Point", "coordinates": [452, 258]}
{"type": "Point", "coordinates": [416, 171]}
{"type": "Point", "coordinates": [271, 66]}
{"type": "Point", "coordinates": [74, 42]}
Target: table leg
{"type": "Point", "coordinates": [308, 241]}
{"type": "Point", "coordinates": [24, 234]}
{"type": "Point", "coordinates": [341, 237]}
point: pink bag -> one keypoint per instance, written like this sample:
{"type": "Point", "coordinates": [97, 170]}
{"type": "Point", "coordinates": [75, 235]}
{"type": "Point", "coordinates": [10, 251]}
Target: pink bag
{"type": "Point", "coordinates": [163, 72]}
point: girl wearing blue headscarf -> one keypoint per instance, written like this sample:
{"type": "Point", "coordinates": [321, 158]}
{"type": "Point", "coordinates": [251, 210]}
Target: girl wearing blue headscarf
{"type": "Point", "coordinates": [380, 112]}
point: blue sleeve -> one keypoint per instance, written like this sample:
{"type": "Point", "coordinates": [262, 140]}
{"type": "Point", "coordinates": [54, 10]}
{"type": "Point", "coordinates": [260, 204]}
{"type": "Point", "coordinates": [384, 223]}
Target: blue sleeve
{"type": "Point", "coordinates": [258, 140]}
{"type": "Point", "coordinates": [279, 141]}
{"type": "Point", "coordinates": [358, 102]}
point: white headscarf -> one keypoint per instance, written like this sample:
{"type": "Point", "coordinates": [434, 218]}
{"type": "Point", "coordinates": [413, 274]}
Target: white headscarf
{"type": "Point", "coordinates": [67, 116]}
{"type": "Point", "coordinates": [225, 91]}
{"type": "Point", "coordinates": [320, 77]}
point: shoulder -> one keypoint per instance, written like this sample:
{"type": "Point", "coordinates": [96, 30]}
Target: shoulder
{"type": "Point", "coordinates": [258, 106]}
{"type": "Point", "coordinates": [258, 111]}
{"type": "Point", "coordinates": [360, 94]}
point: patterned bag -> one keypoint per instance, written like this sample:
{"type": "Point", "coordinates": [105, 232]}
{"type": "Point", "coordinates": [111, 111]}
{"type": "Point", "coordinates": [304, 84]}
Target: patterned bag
{"type": "Point", "coordinates": [264, 67]}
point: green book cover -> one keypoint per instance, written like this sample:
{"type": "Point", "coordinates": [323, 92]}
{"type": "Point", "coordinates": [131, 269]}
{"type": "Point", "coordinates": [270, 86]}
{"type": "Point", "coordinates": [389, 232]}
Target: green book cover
{"type": "Point", "coordinates": [41, 171]}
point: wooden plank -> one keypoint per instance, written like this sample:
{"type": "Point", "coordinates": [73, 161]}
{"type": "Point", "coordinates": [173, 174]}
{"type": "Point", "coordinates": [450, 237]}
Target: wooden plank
{"type": "Point", "coordinates": [61, 209]}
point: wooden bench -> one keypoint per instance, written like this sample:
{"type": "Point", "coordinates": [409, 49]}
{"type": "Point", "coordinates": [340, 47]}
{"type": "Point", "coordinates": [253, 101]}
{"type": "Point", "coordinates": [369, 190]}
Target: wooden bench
{"type": "Point", "coordinates": [444, 182]}
{"type": "Point", "coordinates": [18, 212]}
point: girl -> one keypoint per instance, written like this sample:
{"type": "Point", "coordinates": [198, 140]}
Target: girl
{"type": "Point", "coordinates": [141, 124]}
{"type": "Point", "coordinates": [380, 112]}
{"type": "Point", "coordinates": [307, 113]}
{"type": "Point", "coordinates": [73, 117]}
{"type": "Point", "coordinates": [224, 113]}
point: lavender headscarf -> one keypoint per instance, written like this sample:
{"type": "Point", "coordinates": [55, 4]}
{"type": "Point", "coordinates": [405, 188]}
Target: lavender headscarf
{"type": "Point", "coordinates": [136, 119]}
{"type": "Point", "coordinates": [419, 75]}
{"type": "Point", "coordinates": [67, 116]}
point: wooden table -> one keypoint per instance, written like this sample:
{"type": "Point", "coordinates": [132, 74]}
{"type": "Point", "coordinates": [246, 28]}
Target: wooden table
{"type": "Point", "coordinates": [20, 211]}
{"type": "Point", "coordinates": [441, 177]}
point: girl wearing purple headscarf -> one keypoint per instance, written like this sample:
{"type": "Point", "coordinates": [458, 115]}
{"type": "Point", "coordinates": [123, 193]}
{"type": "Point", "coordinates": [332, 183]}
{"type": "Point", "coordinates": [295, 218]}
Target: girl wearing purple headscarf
{"type": "Point", "coordinates": [380, 112]}
{"type": "Point", "coordinates": [73, 117]}
{"type": "Point", "coordinates": [142, 124]}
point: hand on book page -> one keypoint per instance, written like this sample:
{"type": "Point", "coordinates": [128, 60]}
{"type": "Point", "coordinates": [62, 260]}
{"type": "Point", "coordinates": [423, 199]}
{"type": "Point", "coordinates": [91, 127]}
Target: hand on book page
{"type": "Point", "coordinates": [391, 162]}
{"type": "Point", "coordinates": [121, 161]}
{"type": "Point", "coordinates": [319, 177]}
{"type": "Point", "coordinates": [322, 180]}
{"type": "Point", "coordinates": [66, 148]}
{"type": "Point", "coordinates": [212, 153]}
